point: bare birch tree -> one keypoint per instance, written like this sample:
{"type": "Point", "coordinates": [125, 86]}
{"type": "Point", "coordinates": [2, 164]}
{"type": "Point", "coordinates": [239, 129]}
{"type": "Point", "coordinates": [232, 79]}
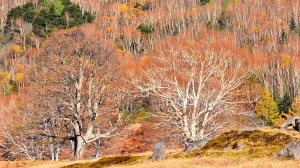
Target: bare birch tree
{"type": "Point", "coordinates": [194, 81]}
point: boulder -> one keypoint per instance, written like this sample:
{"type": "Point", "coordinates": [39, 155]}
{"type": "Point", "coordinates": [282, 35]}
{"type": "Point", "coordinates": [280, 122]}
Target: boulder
{"type": "Point", "coordinates": [246, 129]}
{"type": "Point", "coordinates": [227, 148]}
{"type": "Point", "coordinates": [289, 122]}
{"type": "Point", "coordinates": [297, 125]}
{"type": "Point", "coordinates": [238, 146]}
{"type": "Point", "coordinates": [159, 151]}
{"type": "Point", "coordinates": [196, 145]}
{"type": "Point", "coordinates": [291, 151]}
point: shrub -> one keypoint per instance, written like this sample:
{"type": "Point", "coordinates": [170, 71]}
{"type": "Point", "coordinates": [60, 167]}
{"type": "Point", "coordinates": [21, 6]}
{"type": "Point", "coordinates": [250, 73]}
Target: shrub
{"type": "Point", "coordinates": [146, 28]}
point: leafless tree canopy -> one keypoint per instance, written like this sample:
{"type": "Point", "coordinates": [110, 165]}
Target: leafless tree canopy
{"type": "Point", "coordinates": [194, 82]}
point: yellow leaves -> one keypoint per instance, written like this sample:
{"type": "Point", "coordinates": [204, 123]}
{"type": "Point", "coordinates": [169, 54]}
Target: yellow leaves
{"type": "Point", "coordinates": [17, 49]}
{"type": "Point", "coordinates": [130, 12]}
{"type": "Point", "coordinates": [88, 64]}
{"type": "Point", "coordinates": [100, 79]}
{"type": "Point", "coordinates": [286, 27]}
{"type": "Point", "coordinates": [295, 110]}
{"type": "Point", "coordinates": [129, 16]}
{"type": "Point", "coordinates": [4, 78]}
{"type": "Point", "coordinates": [137, 11]}
{"type": "Point", "coordinates": [279, 21]}
{"type": "Point", "coordinates": [103, 79]}
{"type": "Point", "coordinates": [109, 29]}
{"type": "Point", "coordinates": [4, 75]}
{"type": "Point", "coordinates": [145, 59]}
{"type": "Point", "coordinates": [255, 29]}
{"type": "Point", "coordinates": [19, 67]}
{"type": "Point", "coordinates": [285, 60]}
{"type": "Point", "coordinates": [268, 107]}
{"type": "Point", "coordinates": [198, 58]}
{"type": "Point", "coordinates": [19, 77]}
{"type": "Point", "coordinates": [124, 8]}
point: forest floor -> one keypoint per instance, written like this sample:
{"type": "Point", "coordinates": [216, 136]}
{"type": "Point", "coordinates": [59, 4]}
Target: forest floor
{"type": "Point", "coordinates": [260, 149]}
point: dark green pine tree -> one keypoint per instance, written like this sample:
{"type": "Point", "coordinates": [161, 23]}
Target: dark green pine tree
{"type": "Point", "coordinates": [282, 37]}
{"type": "Point", "coordinates": [203, 2]}
{"type": "Point", "coordinates": [285, 103]}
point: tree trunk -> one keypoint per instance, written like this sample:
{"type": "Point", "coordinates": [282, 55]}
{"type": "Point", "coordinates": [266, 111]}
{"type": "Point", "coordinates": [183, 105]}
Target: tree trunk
{"type": "Point", "coordinates": [186, 128]}
{"type": "Point", "coordinates": [193, 128]}
{"type": "Point", "coordinates": [97, 149]}
{"type": "Point", "coordinates": [201, 133]}
{"type": "Point", "coordinates": [79, 145]}
{"type": "Point", "coordinates": [57, 151]}
{"type": "Point", "coordinates": [190, 129]}
{"type": "Point", "coordinates": [52, 151]}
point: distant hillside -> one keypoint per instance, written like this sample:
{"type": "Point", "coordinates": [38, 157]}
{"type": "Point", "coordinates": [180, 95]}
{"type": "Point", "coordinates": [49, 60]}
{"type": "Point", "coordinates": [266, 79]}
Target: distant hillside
{"type": "Point", "coordinates": [89, 78]}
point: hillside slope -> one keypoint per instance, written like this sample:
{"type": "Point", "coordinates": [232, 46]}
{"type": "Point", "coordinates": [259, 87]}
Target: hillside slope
{"type": "Point", "coordinates": [260, 148]}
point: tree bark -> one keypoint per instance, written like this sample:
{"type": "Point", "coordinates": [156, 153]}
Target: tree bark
{"type": "Point", "coordinates": [79, 145]}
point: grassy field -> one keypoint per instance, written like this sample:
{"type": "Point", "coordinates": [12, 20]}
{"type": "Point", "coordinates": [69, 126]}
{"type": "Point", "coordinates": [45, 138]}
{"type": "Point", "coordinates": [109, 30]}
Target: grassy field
{"type": "Point", "coordinates": [208, 162]}
{"type": "Point", "coordinates": [203, 162]}
{"type": "Point", "coordinates": [260, 149]}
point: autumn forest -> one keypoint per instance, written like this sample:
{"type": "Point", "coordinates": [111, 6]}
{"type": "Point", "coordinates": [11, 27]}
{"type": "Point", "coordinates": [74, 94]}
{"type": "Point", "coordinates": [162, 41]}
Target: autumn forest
{"type": "Point", "coordinates": [83, 79]}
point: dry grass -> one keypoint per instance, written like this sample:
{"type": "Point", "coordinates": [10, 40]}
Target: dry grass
{"type": "Point", "coordinates": [203, 162]}
{"type": "Point", "coordinates": [293, 133]}
{"type": "Point", "coordinates": [22, 164]}
{"type": "Point", "coordinates": [208, 162]}
{"type": "Point", "coordinates": [39, 164]}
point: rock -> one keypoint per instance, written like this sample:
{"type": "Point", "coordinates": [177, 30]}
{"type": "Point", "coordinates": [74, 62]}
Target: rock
{"type": "Point", "coordinates": [289, 128]}
{"type": "Point", "coordinates": [297, 125]}
{"type": "Point", "coordinates": [238, 146]}
{"type": "Point", "coordinates": [159, 151]}
{"type": "Point", "coordinates": [289, 122]}
{"type": "Point", "coordinates": [196, 145]}
{"type": "Point", "coordinates": [246, 129]}
{"type": "Point", "coordinates": [292, 151]}
{"type": "Point", "coordinates": [227, 148]}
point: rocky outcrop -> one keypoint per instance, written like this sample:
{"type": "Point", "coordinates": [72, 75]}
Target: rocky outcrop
{"type": "Point", "coordinates": [297, 125]}
{"type": "Point", "coordinates": [289, 122]}
{"type": "Point", "coordinates": [246, 129]}
{"type": "Point", "coordinates": [196, 145]}
{"type": "Point", "coordinates": [159, 152]}
{"type": "Point", "coordinates": [238, 146]}
{"type": "Point", "coordinates": [291, 151]}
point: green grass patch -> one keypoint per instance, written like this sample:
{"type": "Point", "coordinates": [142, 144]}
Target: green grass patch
{"type": "Point", "coordinates": [108, 161]}
{"type": "Point", "coordinates": [138, 116]}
